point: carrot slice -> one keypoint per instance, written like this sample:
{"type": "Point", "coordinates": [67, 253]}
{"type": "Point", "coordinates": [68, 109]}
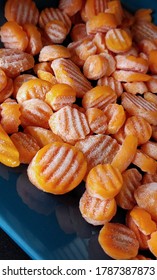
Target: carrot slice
{"type": "Point", "coordinates": [118, 241]}
{"type": "Point", "coordinates": [26, 146]}
{"type": "Point", "coordinates": [104, 181]}
{"type": "Point", "coordinates": [57, 168]}
{"type": "Point", "coordinates": [3, 80]}
{"type": "Point", "coordinates": [118, 40]}
{"type": "Point", "coordinates": [96, 211]}
{"type": "Point", "coordinates": [131, 180]}
{"type": "Point", "coordinates": [23, 11]}
{"type": "Point", "coordinates": [13, 36]}
{"type": "Point", "coordinates": [10, 108]}
{"type": "Point", "coordinates": [101, 23]}
{"type": "Point", "coordinates": [126, 153]}
{"type": "Point", "coordinates": [9, 155]}
{"type": "Point", "coordinates": [143, 220]}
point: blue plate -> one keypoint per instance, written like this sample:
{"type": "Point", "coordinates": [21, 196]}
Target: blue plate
{"type": "Point", "coordinates": [43, 225]}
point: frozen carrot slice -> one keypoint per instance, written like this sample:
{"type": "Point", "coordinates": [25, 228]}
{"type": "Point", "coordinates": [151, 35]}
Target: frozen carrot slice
{"type": "Point", "coordinates": [118, 40]}
{"type": "Point", "coordinates": [143, 220]}
{"type": "Point", "coordinates": [85, 48]}
{"type": "Point", "coordinates": [101, 22]}
{"type": "Point", "coordinates": [104, 181]}
{"type": "Point", "coordinates": [146, 198]}
{"type": "Point", "coordinates": [9, 155]}
{"type": "Point", "coordinates": [74, 56]}
{"type": "Point", "coordinates": [139, 127]}
{"type": "Point", "coordinates": [111, 63]}
{"type": "Point", "coordinates": [115, 7]}
{"type": "Point", "coordinates": [70, 124]}
{"type": "Point", "coordinates": [78, 32]}
{"type": "Point", "coordinates": [99, 41]}
{"type": "Point", "coordinates": [46, 76]}
{"type": "Point", "coordinates": [57, 168]}
{"type": "Point", "coordinates": [126, 153]}
{"type": "Point", "coordinates": [99, 97]}
{"type": "Point", "coordinates": [144, 162]}
{"type": "Point", "coordinates": [144, 30]}
{"type": "Point", "coordinates": [119, 135]}
{"type": "Point", "coordinates": [143, 14]}
{"type": "Point", "coordinates": [98, 149]}
{"type": "Point", "coordinates": [152, 243]}
{"type": "Point", "coordinates": [94, 7]}
{"type": "Point", "coordinates": [153, 61]}
{"type": "Point", "coordinates": [10, 108]}
{"type": "Point", "coordinates": [35, 88]}
{"type": "Point", "coordinates": [56, 31]}
{"type": "Point", "coordinates": [3, 80]}
{"type": "Point", "coordinates": [35, 112]}
{"type": "Point", "coordinates": [132, 63]}
{"type": "Point", "coordinates": [131, 180]}
{"type": "Point", "coordinates": [19, 80]}
{"type": "Point", "coordinates": [67, 72]}
{"type": "Point", "coordinates": [97, 120]}
{"type": "Point", "coordinates": [95, 67]}
{"type": "Point", "coordinates": [149, 178]}
{"type": "Point", "coordinates": [97, 211]}
{"type": "Point", "coordinates": [13, 36]}
{"type": "Point", "coordinates": [13, 62]}
{"type": "Point", "coordinates": [34, 39]}
{"type": "Point", "coordinates": [115, 117]}
{"type": "Point", "coordinates": [146, 46]}
{"type": "Point", "coordinates": [7, 91]}
{"type": "Point", "coordinates": [60, 95]}
{"type": "Point", "coordinates": [70, 7]}
{"type": "Point", "coordinates": [26, 146]}
{"type": "Point", "coordinates": [45, 66]}
{"type": "Point", "coordinates": [23, 11]}
{"type": "Point", "coordinates": [141, 237]}
{"type": "Point", "coordinates": [118, 241]}
{"type": "Point", "coordinates": [130, 76]}
{"type": "Point", "coordinates": [111, 82]}
{"type": "Point", "coordinates": [135, 87]}
{"type": "Point", "coordinates": [150, 149]}
{"type": "Point", "coordinates": [42, 136]}
{"type": "Point", "coordinates": [46, 41]}
{"type": "Point", "coordinates": [49, 14]}
{"type": "Point", "coordinates": [151, 97]}
{"type": "Point", "coordinates": [49, 53]}
{"type": "Point", "coordinates": [138, 106]}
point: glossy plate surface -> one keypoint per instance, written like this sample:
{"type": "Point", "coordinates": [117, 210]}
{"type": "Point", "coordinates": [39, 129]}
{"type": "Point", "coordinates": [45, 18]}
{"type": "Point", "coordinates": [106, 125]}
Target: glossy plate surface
{"type": "Point", "coordinates": [43, 225]}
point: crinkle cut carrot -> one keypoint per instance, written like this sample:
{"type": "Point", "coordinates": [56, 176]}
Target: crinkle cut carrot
{"type": "Point", "coordinates": [14, 62]}
{"type": "Point", "coordinates": [78, 32]}
{"type": "Point", "coordinates": [9, 155]}
{"type": "Point", "coordinates": [7, 91]}
{"type": "Point", "coordinates": [34, 39]}
{"type": "Point", "coordinates": [118, 40]}
{"type": "Point", "coordinates": [118, 241]}
{"type": "Point", "coordinates": [13, 36]}
{"type": "Point", "coordinates": [3, 80]}
{"type": "Point", "coordinates": [126, 153]}
{"type": "Point", "coordinates": [101, 23]}
{"type": "Point", "coordinates": [26, 146]}
{"type": "Point", "coordinates": [23, 11]}
{"type": "Point", "coordinates": [144, 15]}
{"type": "Point", "coordinates": [10, 107]}
{"type": "Point", "coordinates": [95, 67]}
{"type": "Point", "coordinates": [70, 7]}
